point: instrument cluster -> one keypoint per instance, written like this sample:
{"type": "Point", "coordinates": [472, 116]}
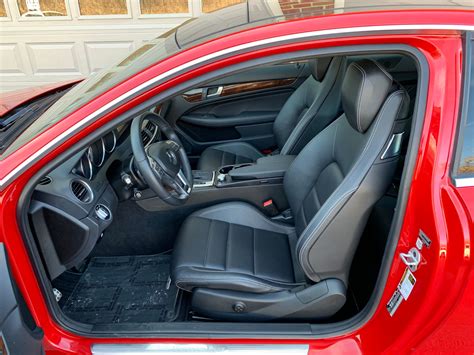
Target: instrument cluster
{"type": "Point", "coordinates": [96, 155]}
{"type": "Point", "coordinates": [98, 152]}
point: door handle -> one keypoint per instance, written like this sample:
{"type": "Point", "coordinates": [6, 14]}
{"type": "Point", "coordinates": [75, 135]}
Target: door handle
{"type": "Point", "coordinates": [213, 91]}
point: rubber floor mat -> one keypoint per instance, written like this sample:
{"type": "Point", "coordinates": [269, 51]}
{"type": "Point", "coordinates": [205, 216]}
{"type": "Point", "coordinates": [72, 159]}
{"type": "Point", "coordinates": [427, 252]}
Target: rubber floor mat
{"type": "Point", "coordinates": [124, 289]}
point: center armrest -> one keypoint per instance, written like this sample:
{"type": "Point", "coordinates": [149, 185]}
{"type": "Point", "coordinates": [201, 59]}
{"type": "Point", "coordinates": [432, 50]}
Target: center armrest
{"type": "Point", "coordinates": [266, 167]}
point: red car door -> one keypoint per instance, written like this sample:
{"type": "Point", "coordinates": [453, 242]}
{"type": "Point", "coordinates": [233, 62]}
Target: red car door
{"type": "Point", "coordinates": [431, 273]}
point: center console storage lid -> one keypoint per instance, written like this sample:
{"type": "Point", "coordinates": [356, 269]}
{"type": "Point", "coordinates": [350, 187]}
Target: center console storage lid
{"type": "Point", "coordinates": [266, 167]}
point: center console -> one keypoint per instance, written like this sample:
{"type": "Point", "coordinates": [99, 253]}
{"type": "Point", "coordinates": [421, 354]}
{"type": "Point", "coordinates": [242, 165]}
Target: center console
{"type": "Point", "coordinates": [264, 170]}
{"type": "Point", "coordinates": [255, 183]}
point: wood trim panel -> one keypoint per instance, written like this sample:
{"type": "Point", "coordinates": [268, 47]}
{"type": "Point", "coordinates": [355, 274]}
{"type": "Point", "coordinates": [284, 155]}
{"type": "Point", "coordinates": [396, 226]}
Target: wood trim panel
{"type": "Point", "coordinates": [195, 97]}
{"type": "Point", "coordinates": [242, 88]}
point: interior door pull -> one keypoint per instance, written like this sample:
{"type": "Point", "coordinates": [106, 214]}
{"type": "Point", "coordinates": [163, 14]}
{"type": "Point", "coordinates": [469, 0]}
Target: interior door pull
{"type": "Point", "coordinates": [214, 91]}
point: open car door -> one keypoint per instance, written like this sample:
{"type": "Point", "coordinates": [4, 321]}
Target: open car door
{"type": "Point", "coordinates": [18, 331]}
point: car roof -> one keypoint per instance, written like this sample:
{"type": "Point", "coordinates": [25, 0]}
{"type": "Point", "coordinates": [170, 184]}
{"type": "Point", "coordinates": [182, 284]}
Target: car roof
{"type": "Point", "coordinates": [254, 13]}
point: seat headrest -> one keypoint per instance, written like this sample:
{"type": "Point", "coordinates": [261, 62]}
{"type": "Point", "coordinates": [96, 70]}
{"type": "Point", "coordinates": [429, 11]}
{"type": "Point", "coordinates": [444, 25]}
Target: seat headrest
{"type": "Point", "coordinates": [319, 67]}
{"type": "Point", "coordinates": [365, 87]}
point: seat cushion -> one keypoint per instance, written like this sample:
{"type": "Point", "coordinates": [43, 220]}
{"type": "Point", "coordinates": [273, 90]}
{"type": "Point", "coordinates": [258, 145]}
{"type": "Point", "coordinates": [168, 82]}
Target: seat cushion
{"type": "Point", "coordinates": [233, 246]}
{"type": "Point", "coordinates": [228, 154]}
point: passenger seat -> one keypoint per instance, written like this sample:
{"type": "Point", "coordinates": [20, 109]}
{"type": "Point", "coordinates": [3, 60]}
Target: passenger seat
{"type": "Point", "coordinates": [313, 106]}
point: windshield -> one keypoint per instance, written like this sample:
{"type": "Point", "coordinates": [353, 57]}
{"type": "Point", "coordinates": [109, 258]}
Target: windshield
{"type": "Point", "coordinates": [248, 14]}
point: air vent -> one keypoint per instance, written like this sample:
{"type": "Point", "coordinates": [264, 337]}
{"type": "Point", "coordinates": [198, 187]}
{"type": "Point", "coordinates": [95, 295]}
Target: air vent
{"type": "Point", "coordinates": [149, 133]}
{"type": "Point", "coordinates": [81, 190]}
{"type": "Point", "coordinates": [45, 180]}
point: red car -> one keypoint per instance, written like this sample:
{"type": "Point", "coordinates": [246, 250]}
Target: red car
{"type": "Point", "coordinates": [249, 184]}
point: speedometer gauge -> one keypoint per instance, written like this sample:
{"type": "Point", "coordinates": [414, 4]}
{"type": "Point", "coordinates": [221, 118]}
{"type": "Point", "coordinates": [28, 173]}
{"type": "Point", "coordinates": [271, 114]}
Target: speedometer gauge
{"type": "Point", "coordinates": [84, 168]}
{"type": "Point", "coordinates": [110, 141]}
{"type": "Point", "coordinates": [96, 153]}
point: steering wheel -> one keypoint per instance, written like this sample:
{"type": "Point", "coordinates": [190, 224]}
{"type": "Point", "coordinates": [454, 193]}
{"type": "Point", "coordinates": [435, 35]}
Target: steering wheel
{"type": "Point", "coordinates": [163, 165]}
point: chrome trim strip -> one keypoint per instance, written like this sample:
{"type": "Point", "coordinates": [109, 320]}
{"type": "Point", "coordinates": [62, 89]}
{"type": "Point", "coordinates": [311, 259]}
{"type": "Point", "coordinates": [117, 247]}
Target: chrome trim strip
{"type": "Point", "coordinates": [79, 125]}
{"type": "Point", "coordinates": [115, 141]}
{"type": "Point", "coordinates": [201, 349]}
{"type": "Point", "coordinates": [464, 182]}
{"type": "Point", "coordinates": [207, 183]}
{"type": "Point", "coordinates": [86, 186]}
{"type": "Point", "coordinates": [393, 146]}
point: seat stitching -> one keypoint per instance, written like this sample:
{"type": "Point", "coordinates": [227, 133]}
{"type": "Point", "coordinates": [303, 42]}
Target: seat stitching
{"type": "Point", "coordinates": [384, 108]}
{"type": "Point", "coordinates": [304, 246]}
{"type": "Point", "coordinates": [253, 256]}
{"type": "Point", "coordinates": [376, 124]}
{"type": "Point", "coordinates": [236, 276]}
{"type": "Point", "coordinates": [359, 100]}
{"type": "Point", "coordinates": [208, 242]}
{"type": "Point", "coordinates": [334, 141]}
{"type": "Point", "coordinates": [227, 249]}
{"type": "Point", "coordinates": [383, 70]}
{"type": "Point", "coordinates": [296, 137]}
{"type": "Point", "coordinates": [303, 214]}
{"type": "Point", "coordinates": [316, 197]}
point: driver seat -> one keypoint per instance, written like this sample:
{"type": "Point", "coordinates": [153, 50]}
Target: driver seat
{"type": "Point", "coordinates": [241, 265]}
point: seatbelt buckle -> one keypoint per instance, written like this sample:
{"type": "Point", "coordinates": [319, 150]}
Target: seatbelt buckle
{"type": "Point", "coordinates": [270, 208]}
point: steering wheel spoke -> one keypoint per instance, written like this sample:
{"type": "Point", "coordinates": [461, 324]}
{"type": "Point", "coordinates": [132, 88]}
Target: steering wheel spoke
{"type": "Point", "coordinates": [156, 168]}
{"type": "Point", "coordinates": [179, 184]}
{"type": "Point", "coordinates": [183, 182]}
{"type": "Point", "coordinates": [164, 165]}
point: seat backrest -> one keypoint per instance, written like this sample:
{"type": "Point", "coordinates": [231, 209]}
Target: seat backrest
{"type": "Point", "coordinates": [314, 105]}
{"type": "Point", "coordinates": [334, 182]}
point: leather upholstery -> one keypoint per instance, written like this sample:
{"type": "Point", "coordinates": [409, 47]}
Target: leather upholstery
{"type": "Point", "coordinates": [319, 67]}
{"type": "Point", "coordinates": [331, 187]}
{"type": "Point", "coordinates": [313, 105]}
{"type": "Point", "coordinates": [364, 89]}
{"type": "Point", "coordinates": [233, 246]}
{"type": "Point", "coordinates": [228, 154]}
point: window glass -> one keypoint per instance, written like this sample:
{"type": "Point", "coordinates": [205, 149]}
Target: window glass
{"type": "Point", "coordinates": [42, 8]}
{"type": "Point", "coordinates": [465, 160]}
{"type": "Point", "coordinates": [102, 7]}
{"type": "Point", "coordinates": [152, 7]}
{"type": "Point", "coordinates": [212, 5]}
{"type": "Point", "coordinates": [191, 33]}
{"type": "Point", "coordinates": [3, 11]}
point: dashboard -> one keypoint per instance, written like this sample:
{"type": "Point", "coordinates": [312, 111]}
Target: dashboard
{"type": "Point", "coordinates": [99, 151]}
{"type": "Point", "coordinates": [74, 203]}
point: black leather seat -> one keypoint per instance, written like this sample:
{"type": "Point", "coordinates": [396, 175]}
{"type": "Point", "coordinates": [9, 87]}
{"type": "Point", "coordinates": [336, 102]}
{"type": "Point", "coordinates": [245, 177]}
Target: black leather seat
{"type": "Point", "coordinates": [240, 264]}
{"type": "Point", "coordinates": [312, 106]}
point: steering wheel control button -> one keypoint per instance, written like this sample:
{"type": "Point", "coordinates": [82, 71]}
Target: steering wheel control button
{"type": "Point", "coordinates": [102, 212]}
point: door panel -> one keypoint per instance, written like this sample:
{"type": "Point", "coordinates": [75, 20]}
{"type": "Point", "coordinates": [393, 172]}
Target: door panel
{"type": "Point", "coordinates": [239, 107]}
{"type": "Point", "coordinates": [18, 331]}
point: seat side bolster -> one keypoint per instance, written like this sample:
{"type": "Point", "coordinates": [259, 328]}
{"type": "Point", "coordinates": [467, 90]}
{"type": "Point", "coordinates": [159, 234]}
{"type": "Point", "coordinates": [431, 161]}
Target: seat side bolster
{"type": "Point", "coordinates": [243, 214]}
{"type": "Point", "coordinates": [324, 109]}
{"type": "Point", "coordinates": [326, 246]}
{"type": "Point", "coordinates": [190, 277]}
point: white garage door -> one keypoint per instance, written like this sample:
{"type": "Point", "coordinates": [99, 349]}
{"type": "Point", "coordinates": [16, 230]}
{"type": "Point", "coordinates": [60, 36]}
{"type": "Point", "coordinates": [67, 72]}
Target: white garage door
{"type": "Point", "coordinates": [46, 41]}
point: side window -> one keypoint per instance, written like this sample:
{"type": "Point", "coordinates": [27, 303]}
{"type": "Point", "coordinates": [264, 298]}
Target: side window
{"type": "Point", "coordinates": [464, 162]}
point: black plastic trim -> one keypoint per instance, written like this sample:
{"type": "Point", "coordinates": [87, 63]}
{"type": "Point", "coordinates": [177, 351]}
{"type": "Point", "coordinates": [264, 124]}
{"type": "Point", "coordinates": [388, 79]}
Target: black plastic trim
{"type": "Point", "coordinates": [466, 108]}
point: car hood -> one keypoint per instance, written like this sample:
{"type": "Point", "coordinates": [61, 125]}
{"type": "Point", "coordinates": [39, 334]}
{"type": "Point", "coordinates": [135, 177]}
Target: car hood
{"type": "Point", "coordinates": [13, 99]}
